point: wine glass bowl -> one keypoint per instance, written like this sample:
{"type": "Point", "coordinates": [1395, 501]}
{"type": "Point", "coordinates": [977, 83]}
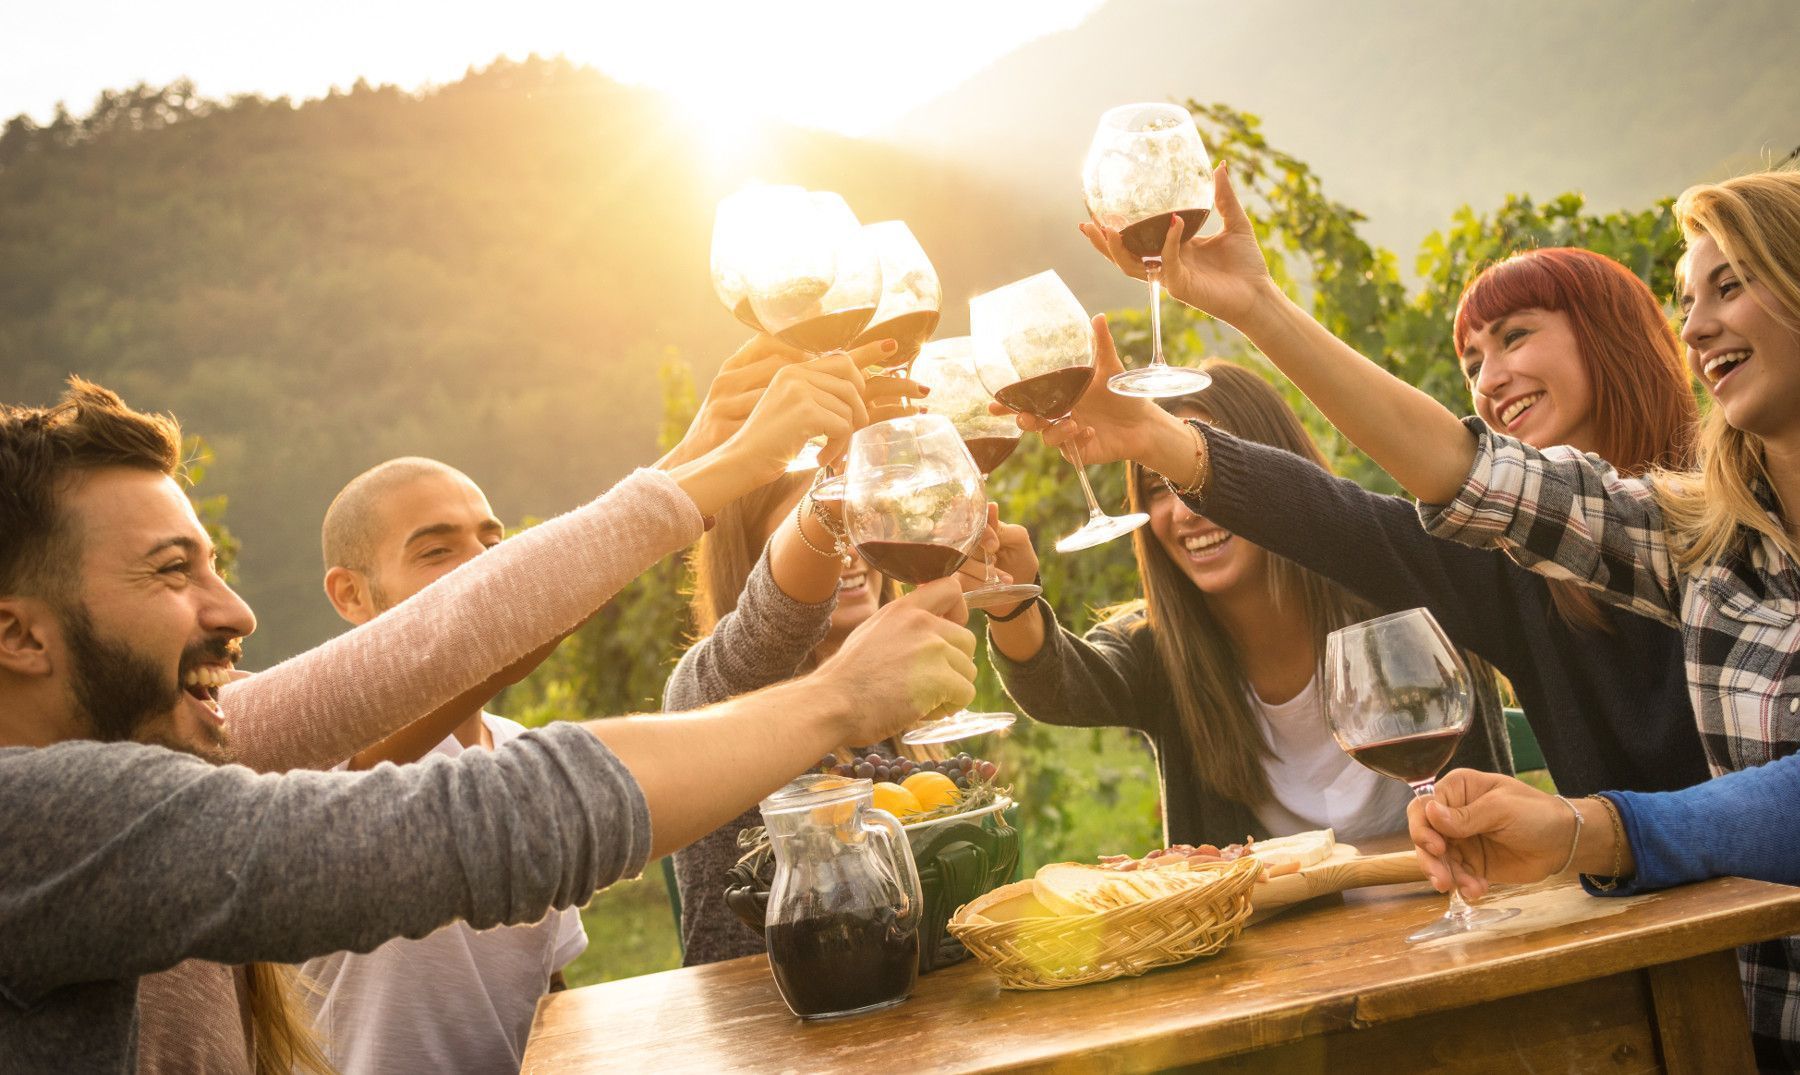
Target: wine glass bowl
{"type": "Point", "coordinates": [819, 279]}
{"type": "Point", "coordinates": [1146, 165]}
{"type": "Point", "coordinates": [1398, 700]}
{"type": "Point", "coordinates": [1039, 359]}
{"type": "Point", "coordinates": [951, 369]}
{"type": "Point", "coordinates": [911, 295]}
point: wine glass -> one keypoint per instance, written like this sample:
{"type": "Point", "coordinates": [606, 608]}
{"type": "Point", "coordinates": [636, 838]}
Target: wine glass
{"type": "Point", "coordinates": [910, 293]}
{"type": "Point", "coordinates": [914, 509]}
{"type": "Point", "coordinates": [739, 225]}
{"type": "Point", "coordinates": [1145, 165]}
{"type": "Point", "coordinates": [1397, 698]}
{"type": "Point", "coordinates": [949, 369]}
{"type": "Point", "coordinates": [1042, 361]}
{"type": "Point", "coordinates": [817, 281]}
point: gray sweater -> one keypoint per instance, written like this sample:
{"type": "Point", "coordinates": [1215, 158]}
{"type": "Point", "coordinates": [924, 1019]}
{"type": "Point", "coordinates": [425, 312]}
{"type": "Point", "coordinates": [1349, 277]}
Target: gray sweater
{"type": "Point", "coordinates": [765, 640]}
{"type": "Point", "coordinates": [121, 860]}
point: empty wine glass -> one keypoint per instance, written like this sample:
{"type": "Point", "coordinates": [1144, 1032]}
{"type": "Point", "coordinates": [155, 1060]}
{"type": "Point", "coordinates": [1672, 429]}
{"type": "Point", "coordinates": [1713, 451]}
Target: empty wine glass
{"type": "Point", "coordinates": [949, 369]}
{"type": "Point", "coordinates": [914, 509]}
{"type": "Point", "coordinates": [739, 224]}
{"type": "Point", "coordinates": [1146, 165]}
{"type": "Point", "coordinates": [910, 293]}
{"type": "Point", "coordinates": [817, 281]}
{"type": "Point", "coordinates": [1042, 361]}
{"type": "Point", "coordinates": [1398, 700]}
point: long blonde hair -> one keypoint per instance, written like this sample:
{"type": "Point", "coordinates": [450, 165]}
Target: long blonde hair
{"type": "Point", "coordinates": [1212, 697]}
{"type": "Point", "coordinates": [1755, 220]}
{"type": "Point", "coordinates": [283, 1037]}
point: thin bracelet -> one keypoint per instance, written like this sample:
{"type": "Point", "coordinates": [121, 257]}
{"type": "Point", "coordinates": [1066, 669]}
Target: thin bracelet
{"type": "Point", "coordinates": [1574, 843]}
{"type": "Point", "coordinates": [1201, 456]}
{"type": "Point", "coordinates": [1023, 605]}
{"type": "Point", "coordinates": [833, 526]}
{"type": "Point", "coordinates": [1618, 827]}
{"type": "Point", "coordinates": [837, 552]}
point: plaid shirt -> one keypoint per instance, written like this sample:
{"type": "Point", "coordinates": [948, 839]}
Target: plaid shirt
{"type": "Point", "coordinates": [1569, 515]}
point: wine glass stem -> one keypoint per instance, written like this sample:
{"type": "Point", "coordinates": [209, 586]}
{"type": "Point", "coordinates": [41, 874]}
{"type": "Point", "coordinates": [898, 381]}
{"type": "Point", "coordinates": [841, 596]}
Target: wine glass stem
{"type": "Point", "coordinates": [1459, 907]}
{"type": "Point", "coordinates": [1087, 490]}
{"type": "Point", "coordinates": [1153, 277]}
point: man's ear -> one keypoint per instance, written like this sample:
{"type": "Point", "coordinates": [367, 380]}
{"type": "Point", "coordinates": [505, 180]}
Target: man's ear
{"type": "Point", "coordinates": [349, 594]}
{"type": "Point", "coordinates": [28, 631]}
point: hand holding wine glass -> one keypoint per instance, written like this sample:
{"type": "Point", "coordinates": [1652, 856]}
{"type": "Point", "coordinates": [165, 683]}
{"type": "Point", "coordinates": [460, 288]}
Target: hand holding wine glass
{"type": "Point", "coordinates": [1398, 700]}
{"type": "Point", "coordinates": [740, 382]}
{"type": "Point", "coordinates": [818, 398]}
{"type": "Point", "coordinates": [1225, 275]}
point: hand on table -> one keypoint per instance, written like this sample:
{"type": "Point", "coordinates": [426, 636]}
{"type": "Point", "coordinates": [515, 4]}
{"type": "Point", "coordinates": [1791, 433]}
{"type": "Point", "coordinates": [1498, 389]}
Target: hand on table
{"type": "Point", "coordinates": [1492, 827]}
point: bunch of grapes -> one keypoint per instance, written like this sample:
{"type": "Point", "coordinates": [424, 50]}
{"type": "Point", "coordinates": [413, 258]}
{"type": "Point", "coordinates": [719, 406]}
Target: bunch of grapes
{"type": "Point", "coordinates": [963, 769]}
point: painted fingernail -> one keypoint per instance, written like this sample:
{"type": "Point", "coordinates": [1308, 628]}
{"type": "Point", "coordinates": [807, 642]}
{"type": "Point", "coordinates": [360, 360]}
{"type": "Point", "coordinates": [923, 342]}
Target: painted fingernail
{"type": "Point", "coordinates": [888, 347]}
{"type": "Point", "coordinates": [924, 390]}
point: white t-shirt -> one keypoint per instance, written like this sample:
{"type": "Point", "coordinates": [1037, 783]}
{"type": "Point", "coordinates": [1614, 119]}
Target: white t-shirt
{"type": "Point", "coordinates": [1313, 784]}
{"type": "Point", "coordinates": [459, 1000]}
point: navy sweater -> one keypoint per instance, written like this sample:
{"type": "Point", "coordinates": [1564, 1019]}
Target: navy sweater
{"type": "Point", "coordinates": [1609, 709]}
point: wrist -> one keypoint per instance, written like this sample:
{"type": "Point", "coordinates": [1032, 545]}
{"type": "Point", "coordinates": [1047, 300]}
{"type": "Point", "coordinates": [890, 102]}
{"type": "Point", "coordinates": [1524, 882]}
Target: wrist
{"type": "Point", "coordinates": [1267, 310]}
{"type": "Point", "coordinates": [1168, 448]}
{"type": "Point", "coordinates": [713, 480]}
{"type": "Point", "coordinates": [1596, 851]}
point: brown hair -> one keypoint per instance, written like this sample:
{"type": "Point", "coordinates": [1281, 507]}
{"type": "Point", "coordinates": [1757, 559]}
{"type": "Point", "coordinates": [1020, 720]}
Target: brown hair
{"type": "Point", "coordinates": [42, 451]}
{"type": "Point", "coordinates": [1212, 696]}
{"type": "Point", "coordinates": [1755, 220]}
{"type": "Point", "coordinates": [1644, 414]}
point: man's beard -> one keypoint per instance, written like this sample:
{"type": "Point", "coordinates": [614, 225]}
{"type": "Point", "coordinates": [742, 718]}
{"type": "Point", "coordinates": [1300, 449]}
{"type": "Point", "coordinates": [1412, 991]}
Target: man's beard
{"type": "Point", "coordinates": [123, 696]}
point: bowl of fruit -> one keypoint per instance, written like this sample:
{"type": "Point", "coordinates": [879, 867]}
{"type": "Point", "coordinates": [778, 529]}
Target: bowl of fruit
{"type": "Point", "coordinates": [953, 811]}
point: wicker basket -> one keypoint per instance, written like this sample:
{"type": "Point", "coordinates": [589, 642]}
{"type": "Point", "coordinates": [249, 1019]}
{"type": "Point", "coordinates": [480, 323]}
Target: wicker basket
{"type": "Point", "coordinates": [1043, 951]}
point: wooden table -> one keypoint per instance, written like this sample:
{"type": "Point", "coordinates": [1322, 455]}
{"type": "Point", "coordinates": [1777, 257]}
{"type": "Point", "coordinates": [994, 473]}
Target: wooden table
{"type": "Point", "coordinates": [1574, 983]}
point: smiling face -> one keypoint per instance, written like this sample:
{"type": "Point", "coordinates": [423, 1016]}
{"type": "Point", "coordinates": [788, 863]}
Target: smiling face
{"type": "Point", "coordinates": [425, 527]}
{"type": "Point", "coordinates": [1527, 379]}
{"type": "Point", "coordinates": [1744, 348]}
{"type": "Point", "coordinates": [1215, 560]}
{"type": "Point", "coordinates": [153, 630]}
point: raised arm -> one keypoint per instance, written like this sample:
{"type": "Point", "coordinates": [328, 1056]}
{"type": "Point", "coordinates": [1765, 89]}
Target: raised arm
{"type": "Point", "coordinates": [1404, 430]}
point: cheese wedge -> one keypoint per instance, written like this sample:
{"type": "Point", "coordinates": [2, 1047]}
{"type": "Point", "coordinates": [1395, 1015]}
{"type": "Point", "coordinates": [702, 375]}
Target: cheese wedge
{"type": "Point", "coordinates": [1289, 854]}
{"type": "Point", "coordinates": [1071, 888]}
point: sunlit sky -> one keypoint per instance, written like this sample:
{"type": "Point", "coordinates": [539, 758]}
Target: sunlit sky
{"type": "Point", "coordinates": [844, 65]}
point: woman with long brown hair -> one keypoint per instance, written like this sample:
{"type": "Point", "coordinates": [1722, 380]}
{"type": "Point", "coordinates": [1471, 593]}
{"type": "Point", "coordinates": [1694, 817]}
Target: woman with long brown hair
{"type": "Point", "coordinates": [1558, 346]}
{"type": "Point", "coordinates": [1219, 663]}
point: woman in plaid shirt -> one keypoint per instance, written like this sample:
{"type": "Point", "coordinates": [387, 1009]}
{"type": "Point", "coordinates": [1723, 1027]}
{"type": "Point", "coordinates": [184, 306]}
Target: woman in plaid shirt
{"type": "Point", "coordinates": [1710, 551]}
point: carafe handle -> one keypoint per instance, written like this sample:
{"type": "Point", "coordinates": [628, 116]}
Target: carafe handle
{"type": "Point", "coordinates": [899, 853]}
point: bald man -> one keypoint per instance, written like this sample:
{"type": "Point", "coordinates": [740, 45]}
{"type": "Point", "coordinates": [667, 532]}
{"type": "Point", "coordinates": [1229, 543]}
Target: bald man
{"type": "Point", "coordinates": [460, 999]}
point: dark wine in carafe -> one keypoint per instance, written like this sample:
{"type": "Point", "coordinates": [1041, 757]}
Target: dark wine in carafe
{"type": "Point", "coordinates": [840, 963]}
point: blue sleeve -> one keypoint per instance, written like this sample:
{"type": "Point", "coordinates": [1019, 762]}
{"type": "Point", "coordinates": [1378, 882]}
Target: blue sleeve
{"type": "Point", "coordinates": [1740, 824]}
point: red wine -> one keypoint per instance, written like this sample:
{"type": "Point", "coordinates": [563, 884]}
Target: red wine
{"type": "Point", "coordinates": [744, 313]}
{"type": "Point", "coordinates": [1048, 395]}
{"type": "Point", "coordinates": [1145, 238]}
{"type": "Point", "coordinates": [1412, 758]}
{"type": "Point", "coordinates": [911, 561]}
{"type": "Point", "coordinates": [910, 331]}
{"type": "Point", "coordinates": [829, 332]}
{"type": "Point", "coordinates": [841, 963]}
{"type": "Point", "coordinates": [990, 452]}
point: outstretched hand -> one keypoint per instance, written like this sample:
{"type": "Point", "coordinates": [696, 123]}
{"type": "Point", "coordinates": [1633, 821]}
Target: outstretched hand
{"type": "Point", "coordinates": [1224, 274]}
{"type": "Point", "coordinates": [912, 660]}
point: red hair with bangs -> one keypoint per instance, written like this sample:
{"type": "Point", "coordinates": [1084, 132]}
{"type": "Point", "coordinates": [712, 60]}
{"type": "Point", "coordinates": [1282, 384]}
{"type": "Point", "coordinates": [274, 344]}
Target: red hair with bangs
{"type": "Point", "coordinates": [1644, 411]}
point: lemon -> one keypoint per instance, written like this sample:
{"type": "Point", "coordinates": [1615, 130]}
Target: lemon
{"type": "Point", "coordinates": [896, 800]}
{"type": "Point", "coordinates": [932, 790]}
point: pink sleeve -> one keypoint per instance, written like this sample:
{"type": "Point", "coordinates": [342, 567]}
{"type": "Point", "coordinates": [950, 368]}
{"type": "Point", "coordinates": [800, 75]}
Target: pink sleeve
{"type": "Point", "coordinates": [317, 709]}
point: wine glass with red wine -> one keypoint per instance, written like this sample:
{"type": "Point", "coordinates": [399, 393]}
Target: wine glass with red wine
{"type": "Point", "coordinates": [1146, 166]}
{"type": "Point", "coordinates": [910, 293]}
{"type": "Point", "coordinates": [817, 280]}
{"type": "Point", "coordinates": [1040, 362]}
{"type": "Point", "coordinates": [914, 509]}
{"type": "Point", "coordinates": [737, 240]}
{"type": "Point", "coordinates": [1398, 700]}
{"type": "Point", "coordinates": [949, 368]}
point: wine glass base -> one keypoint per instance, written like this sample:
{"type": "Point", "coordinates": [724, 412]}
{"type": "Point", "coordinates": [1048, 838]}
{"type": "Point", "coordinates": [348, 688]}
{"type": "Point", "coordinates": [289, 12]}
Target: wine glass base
{"type": "Point", "coordinates": [1100, 530]}
{"type": "Point", "coordinates": [1450, 925]}
{"type": "Point", "coordinates": [957, 726]}
{"type": "Point", "coordinates": [1159, 381]}
{"type": "Point", "coordinates": [1001, 594]}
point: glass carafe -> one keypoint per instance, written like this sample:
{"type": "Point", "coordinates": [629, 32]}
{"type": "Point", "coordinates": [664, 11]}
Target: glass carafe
{"type": "Point", "coordinates": [844, 909]}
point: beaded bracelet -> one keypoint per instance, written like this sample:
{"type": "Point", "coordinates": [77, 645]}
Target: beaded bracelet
{"type": "Point", "coordinates": [1202, 457]}
{"type": "Point", "coordinates": [838, 551]}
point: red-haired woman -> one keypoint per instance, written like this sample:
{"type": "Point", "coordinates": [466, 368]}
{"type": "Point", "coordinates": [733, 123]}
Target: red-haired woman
{"type": "Point", "coordinates": [1559, 346]}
